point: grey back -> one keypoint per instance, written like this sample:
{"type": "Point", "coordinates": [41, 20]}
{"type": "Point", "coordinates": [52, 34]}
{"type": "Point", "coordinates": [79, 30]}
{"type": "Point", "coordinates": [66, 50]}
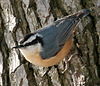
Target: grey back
{"type": "Point", "coordinates": [55, 36]}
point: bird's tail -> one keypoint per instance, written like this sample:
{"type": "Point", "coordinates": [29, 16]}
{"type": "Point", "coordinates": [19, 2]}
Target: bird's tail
{"type": "Point", "coordinates": [83, 13]}
{"type": "Point", "coordinates": [67, 24]}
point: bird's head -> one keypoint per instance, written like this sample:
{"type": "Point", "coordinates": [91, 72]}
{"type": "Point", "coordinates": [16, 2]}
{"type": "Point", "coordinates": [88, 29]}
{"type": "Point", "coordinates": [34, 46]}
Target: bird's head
{"type": "Point", "coordinates": [30, 43]}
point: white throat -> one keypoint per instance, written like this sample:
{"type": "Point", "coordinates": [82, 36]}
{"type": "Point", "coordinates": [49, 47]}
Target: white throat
{"type": "Point", "coordinates": [31, 50]}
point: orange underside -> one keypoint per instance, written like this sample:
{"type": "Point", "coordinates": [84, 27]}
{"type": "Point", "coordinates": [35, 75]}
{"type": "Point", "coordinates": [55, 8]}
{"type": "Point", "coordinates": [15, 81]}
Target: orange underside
{"type": "Point", "coordinates": [37, 60]}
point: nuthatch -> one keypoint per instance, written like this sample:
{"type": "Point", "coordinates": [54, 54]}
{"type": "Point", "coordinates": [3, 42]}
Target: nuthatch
{"type": "Point", "coordinates": [49, 45]}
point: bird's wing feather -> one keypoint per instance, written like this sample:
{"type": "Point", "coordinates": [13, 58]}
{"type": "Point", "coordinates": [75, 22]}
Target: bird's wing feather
{"type": "Point", "coordinates": [65, 29]}
{"type": "Point", "coordinates": [49, 43]}
{"type": "Point", "coordinates": [55, 36]}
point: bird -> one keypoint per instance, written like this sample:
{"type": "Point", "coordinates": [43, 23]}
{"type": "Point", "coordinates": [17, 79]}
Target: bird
{"type": "Point", "coordinates": [49, 45]}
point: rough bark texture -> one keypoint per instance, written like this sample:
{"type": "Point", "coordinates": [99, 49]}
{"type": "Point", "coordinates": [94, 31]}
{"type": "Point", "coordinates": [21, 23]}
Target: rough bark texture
{"type": "Point", "coordinates": [80, 68]}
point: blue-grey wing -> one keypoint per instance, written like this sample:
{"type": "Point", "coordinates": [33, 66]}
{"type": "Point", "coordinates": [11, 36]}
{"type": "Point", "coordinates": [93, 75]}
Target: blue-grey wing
{"type": "Point", "coordinates": [55, 35]}
{"type": "Point", "coordinates": [65, 29]}
{"type": "Point", "coordinates": [49, 35]}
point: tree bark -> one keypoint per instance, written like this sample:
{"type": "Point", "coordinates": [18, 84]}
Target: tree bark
{"type": "Point", "coordinates": [80, 68]}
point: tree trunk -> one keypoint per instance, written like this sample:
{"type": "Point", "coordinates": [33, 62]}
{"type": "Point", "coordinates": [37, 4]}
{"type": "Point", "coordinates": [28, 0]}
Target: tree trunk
{"type": "Point", "coordinates": [80, 68]}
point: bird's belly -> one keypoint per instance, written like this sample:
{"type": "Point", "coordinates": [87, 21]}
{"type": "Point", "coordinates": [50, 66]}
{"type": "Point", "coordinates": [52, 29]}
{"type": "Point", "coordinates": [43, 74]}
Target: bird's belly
{"type": "Point", "coordinates": [36, 59]}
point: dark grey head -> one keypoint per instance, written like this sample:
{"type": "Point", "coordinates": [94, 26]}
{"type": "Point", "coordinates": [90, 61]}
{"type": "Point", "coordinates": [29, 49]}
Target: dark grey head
{"type": "Point", "coordinates": [29, 40]}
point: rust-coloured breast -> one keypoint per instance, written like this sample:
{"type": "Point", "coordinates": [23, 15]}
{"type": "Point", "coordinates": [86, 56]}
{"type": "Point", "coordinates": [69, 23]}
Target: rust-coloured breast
{"type": "Point", "coordinates": [60, 55]}
{"type": "Point", "coordinates": [37, 60]}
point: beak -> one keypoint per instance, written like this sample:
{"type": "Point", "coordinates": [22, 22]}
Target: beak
{"type": "Point", "coordinates": [17, 47]}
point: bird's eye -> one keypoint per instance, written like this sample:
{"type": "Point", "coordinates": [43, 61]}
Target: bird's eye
{"type": "Point", "coordinates": [31, 39]}
{"type": "Point", "coordinates": [40, 40]}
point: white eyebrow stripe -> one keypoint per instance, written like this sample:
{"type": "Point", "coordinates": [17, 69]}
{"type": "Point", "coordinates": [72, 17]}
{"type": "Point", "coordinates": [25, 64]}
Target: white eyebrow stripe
{"type": "Point", "coordinates": [39, 35]}
{"type": "Point", "coordinates": [33, 37]}
{"type": "Point", "coordinates": [30, 39]}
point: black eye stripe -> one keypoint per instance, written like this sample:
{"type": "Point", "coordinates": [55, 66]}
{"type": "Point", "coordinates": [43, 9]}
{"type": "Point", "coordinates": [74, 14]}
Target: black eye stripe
{"type": "Point", "coordinates": [37, 40]}
{"type": "Point", "coordinates": [26, 37]}
{"type": "Point", "coordinates": [31, 43]}
{"type": "Point", "coordinates": [40, 40]}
